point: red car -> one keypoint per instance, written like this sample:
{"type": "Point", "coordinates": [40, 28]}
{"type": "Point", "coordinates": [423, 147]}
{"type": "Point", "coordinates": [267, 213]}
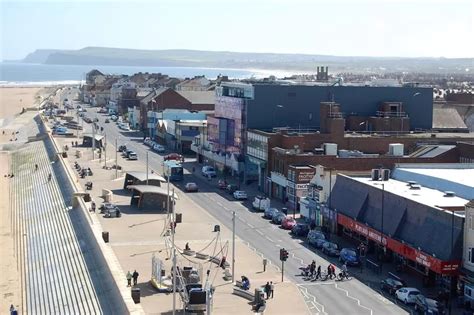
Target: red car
{"type": "Point", "coordinates": [222, 184]}
{"type": "Point", "coordinates": [174, 156]}
{"type": "Point", "coordinates": [288, 223]}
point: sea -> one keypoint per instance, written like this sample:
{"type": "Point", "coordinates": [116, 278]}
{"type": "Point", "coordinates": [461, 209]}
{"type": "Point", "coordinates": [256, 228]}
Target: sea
{"type": "Point", "coordinates": [28, 74]}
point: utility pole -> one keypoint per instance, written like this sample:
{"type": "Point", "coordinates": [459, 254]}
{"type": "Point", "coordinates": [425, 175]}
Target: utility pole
{"type": "Point", "coordinates": [173, 227]}
{"type": "Point", "coordinates": [147, 167]}
{"type": "Point", "coordinates": [93, 140]}
{"type": "Point", "coordinates": [105, 150]}
{"type": "Point", "coordinates": [233, 246]}
{"type": "Point", "coordinates": [116, 166]}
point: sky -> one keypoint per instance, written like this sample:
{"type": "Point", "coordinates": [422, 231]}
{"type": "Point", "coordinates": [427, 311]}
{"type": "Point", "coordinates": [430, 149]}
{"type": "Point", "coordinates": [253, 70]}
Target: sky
{"type": "Point", "coordinates": [403, 28]}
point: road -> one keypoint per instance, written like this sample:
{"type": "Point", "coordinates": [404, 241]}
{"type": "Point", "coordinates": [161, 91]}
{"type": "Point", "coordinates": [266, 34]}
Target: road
{"type": "Point", "coordinates": [322, 297]}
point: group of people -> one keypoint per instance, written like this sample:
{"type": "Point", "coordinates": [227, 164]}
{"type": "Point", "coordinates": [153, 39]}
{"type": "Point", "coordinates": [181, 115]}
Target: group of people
{"type": "Point", "coordinates": [315, 272]}
{"type": "Point", "coordinates": [131, 276]}
{"type": "Point", "coordinates": [268, 289]}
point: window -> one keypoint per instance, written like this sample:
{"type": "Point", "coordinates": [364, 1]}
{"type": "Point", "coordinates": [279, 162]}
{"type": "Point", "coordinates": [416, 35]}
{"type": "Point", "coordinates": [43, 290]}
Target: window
{"type": "Point", "coordinates": [471, 255]}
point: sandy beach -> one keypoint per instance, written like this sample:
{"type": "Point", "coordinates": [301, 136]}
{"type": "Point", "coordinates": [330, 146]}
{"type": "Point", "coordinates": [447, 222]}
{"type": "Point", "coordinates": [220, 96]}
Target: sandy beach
{"type": "Point", "coordinates": [12, 100]}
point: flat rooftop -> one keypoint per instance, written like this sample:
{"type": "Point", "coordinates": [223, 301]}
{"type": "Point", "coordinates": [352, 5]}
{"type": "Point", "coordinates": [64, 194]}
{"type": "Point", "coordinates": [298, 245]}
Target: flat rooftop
{"type": "Point", "coordinates": [458, 177]}
{"type": "Point", "coordinates": [426, 196]}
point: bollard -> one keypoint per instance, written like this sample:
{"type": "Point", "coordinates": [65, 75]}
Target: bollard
{"type": "Point", "coordinates": [105, 236]}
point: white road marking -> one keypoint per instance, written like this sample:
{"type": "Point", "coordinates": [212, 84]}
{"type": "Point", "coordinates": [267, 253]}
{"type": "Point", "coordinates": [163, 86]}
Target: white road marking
{"type": "Point", "coordinates": [312, 299]}
{"type": "Point", "coordinates": [251, 226]}
{"type": "Point", "coordinates": [353, 298]}
{"type": "Point", "coordinates": [269, 239]}
{"type": "Point", "coordinates": [260, 232]}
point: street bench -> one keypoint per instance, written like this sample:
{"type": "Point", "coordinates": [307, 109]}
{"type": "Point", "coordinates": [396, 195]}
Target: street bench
{"type": "Point", "coordinates": [202, 256]}
{"type": "Point", "coordinates": [227, 275]}
{"type": "Point", "coordinates": [189, 252]}
{"type": "Point", "coordinates": [217, 261]}
{"type": "Point", "coordinates": [242, 293]}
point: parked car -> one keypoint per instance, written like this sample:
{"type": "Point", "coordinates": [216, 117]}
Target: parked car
{"type": "Point", "coordinates": [106, 121]}
{"type": "Point", "coordinates": [240, 195]}
{"type": "Point", "coordinates": [330, 249]}
{"type": "Point", "coordinates": [261, 203]}
{"type": "Point", "coordinates": [316, 238]}
{"type": "Point", "coordinates": [126, 153]}
{"type": "Point", "coordinates": [132, 156]}
{"type": "Point", "coordinates": [191, 187]}
{"type": "Point", "coordinates": [288, 223]}
{"type": "Point", "coordinates": [300, 229]}
{"type": "Point", "coordinates": [278, 217]}
{"type": "Point", "coordinates": [232, 188]}
{"type": "Point", "coordinates": [208, 171]}
{"type": "Point", "coordinates": [426, 305]}
{"type": "Point", "coordinates": [222, 184]}
{"type": "Point", "coordinates": [122, 148]}
{"type": "Point", "coordinates": [158, 148]}
{"type": "Point", "coordinates": [349, 256]}
{"type": "Point", "coordinates": [270, 212]}
{"type": "Point", "coordinates": [174, 156]}
{"type": "Point", "coordinates": [390, 285]}
{"type": "Point", "coordinates": [407, 295]}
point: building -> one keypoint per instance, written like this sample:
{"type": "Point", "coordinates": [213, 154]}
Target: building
{"type": "Point", "coordinates": [468, 256]}
{"type": "Point", "coordinates": [273, 153]}
{"type": "Point", "coordinates": [331, 110]}
{"type": "Point", "coordinates": [396, 220]}
{"type": "Point", "coordinates": [198, 83]}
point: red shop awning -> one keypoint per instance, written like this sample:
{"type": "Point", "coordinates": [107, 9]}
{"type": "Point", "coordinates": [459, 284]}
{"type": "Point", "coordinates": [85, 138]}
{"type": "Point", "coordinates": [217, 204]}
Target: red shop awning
{"type": "Point", "coordinates": [435, 264]}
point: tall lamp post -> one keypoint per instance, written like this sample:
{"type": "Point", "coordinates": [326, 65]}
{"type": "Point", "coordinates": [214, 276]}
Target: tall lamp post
{"type": "Point", "coordinates": [381, 223]}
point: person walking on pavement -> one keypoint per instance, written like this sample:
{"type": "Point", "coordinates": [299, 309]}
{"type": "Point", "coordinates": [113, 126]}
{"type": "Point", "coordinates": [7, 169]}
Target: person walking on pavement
{"type": "Point", "coordinates": [267, 289]}
{"type": "Point", "coordinates": [36, 167]}
{"type": "Point", "coordinates": [329, 271]}
{"type": "Point", "coordinates": [49, 177]}
{"type": "Point", "coordinates": [93, 206]}
{"type": "Point", "coordinates": [271, 289]}
{"type": "Point", "coordinates": [129, 279]}
{"type": "Point", "coordinates": [135, 277]}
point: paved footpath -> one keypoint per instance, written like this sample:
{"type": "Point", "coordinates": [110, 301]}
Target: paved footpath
{"type": "Point", "coordinates": [136, 237]}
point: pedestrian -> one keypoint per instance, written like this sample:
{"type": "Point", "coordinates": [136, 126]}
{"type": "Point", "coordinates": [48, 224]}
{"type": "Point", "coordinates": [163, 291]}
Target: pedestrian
{"type": "Point", "coordinates": [129, 279]}
{"type": "Point", "coordinates": [312, 268]}
{"type": "Point", "coordinates": [329, 271]}
{"type": "Point", "coordinates": [222, 264]}
{"type": "Point", "coordinates": [333, 271]}
{"type": "Point", "coordinates": [271, 289]}
{"type": "Point", "coordinates": [267, 289]}
{"type": "Point", "coordinates": [36, 167]}
{"type": "Point", "coordinates": [135, 277]}
{"type": "Point", "coordinates": [318, 273]}
{"type": "Point", "coordinates": [49, 177]}
{"type": "Point", "coordinates": [93, 206]}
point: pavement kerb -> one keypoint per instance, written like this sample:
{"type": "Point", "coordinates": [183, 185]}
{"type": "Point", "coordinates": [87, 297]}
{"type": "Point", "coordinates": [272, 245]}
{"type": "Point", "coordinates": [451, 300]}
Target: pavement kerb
{"type": "Point", "coordinates": [109, 255]}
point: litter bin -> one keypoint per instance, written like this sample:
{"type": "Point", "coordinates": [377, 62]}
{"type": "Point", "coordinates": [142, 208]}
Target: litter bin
{"type": "Point", "coordinates": [259, 296]}
{"type": "Point", "coordinates": [284, 210]}
{"type": "Point", "coordinates": [136, 295]}
{"type": "Point", "coordinates": [105, 236]}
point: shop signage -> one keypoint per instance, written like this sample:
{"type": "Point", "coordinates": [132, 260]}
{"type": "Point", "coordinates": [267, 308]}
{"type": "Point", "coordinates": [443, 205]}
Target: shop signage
{"type": "Point", "coordinates": [305, 176]}
{"type": "Point", "coordinates": [437, 265]}
{"type": "Point", "coordinates": [302, 186]}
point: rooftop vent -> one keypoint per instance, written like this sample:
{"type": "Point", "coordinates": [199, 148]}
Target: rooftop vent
{"type": "Point", "coordinates": [411, 182]}
{"type": "Point", "coordinates": [415, 187]}
{"type": "Point", "coordinates": [449, 194]}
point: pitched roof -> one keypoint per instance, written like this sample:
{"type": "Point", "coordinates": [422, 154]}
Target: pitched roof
{"type": "Point", "coordinates": [152, 95]}
{"type": "Point", "coordinates": [447, 118]}
{"type": "Point", "coordinates": [199, 97]}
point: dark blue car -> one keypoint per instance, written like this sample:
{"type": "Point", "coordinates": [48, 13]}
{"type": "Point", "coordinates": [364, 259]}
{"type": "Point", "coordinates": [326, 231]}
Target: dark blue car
{"type": "Point", "coordinates": [349, 256]}
{"type": "Point", "coordinates": [300, 229]}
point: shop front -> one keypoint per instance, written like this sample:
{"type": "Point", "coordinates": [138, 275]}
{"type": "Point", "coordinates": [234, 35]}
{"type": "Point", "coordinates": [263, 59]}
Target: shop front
{"type": "Point", "coordinates": [432, 268]}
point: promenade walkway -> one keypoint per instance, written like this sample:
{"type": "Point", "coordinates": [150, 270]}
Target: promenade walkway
{"type": "Point", "coordinates": [56, 276]}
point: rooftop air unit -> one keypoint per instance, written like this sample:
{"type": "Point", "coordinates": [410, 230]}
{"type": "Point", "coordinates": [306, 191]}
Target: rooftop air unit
{"type": "Point", "coordinates": [330, 149]}
{"type": "Point", "coordinates": [375, 174]}
{"type": "Point", "coordinates": [449, 194]}
{"type": "Point", "coordinates": [415, 187]}
{"type": "Point", "coordinates": [395, 149]}
{"type": "Point", "coordinates": [385, 174]}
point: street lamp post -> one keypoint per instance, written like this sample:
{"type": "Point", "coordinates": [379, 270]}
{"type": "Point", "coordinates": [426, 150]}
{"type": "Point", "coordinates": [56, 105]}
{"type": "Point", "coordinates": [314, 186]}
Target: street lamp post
{"type": "Point", "coordinates": [381, 224]}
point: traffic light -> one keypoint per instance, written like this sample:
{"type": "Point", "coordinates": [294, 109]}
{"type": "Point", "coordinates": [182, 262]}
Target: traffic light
{"type": "Point", "coordinates": [283, 254]}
